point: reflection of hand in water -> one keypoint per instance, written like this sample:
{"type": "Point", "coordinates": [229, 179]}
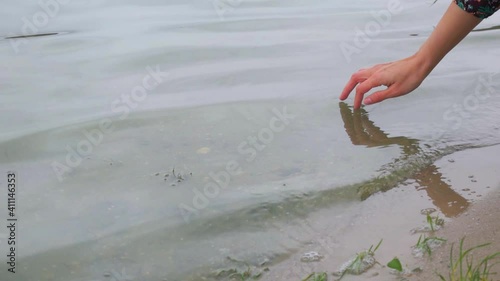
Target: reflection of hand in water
{"type": "Point", "coordinates": [362, 131]}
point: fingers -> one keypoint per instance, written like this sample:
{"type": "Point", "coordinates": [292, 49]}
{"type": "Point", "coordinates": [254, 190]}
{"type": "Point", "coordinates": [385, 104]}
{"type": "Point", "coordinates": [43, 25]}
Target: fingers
{"type": "Point", "coordinates": [380, 96]}
{"type": "Point", "coordinates": [365, 87]}
{"type": "Point", "coordinates": [348, 88]}
{"type": "Point", "coordinates": [365, 80]}
{"type": "Point", "coordinates": [358, 77]}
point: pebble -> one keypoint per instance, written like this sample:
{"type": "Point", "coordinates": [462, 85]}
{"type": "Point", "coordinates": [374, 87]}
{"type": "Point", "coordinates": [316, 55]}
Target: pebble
{"type": "Point", "coordinates": [203, 150]}
{"type": "Point", "coordinates": [417, 270]}
{"type": "Point", "coordinates": [427, 211]}
{"type": "Point", "coordinates": [311, 257]}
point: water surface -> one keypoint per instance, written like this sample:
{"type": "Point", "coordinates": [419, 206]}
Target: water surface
{"type": "Point", "coordinates": [226, 84]}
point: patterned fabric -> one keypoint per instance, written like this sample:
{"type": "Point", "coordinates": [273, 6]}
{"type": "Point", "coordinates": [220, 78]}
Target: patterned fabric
{"type": "Point", "coordinates": [480, 8]}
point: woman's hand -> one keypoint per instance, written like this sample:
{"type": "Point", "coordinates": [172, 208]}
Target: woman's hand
{"type": "Point", "coordinates": [400, 77]}
{"type": "Point", "coordinates": [404, 76]}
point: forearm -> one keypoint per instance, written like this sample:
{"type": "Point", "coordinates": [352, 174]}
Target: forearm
{"type": "Point", "coordinates": [403, 76]}
{"type": "Point", "coordinates": [451, 29]}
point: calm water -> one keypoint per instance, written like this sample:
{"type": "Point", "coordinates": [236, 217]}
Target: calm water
{"type": "Point", "coordinates": [117, 187]}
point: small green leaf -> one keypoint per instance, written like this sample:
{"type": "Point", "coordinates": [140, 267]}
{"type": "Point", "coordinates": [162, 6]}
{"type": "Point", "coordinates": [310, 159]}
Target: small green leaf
{"type": "Point", "coordinates": [430, 222]}
{"type": "Point", "coordinates": [395, 264]}
{"type": "Point", "coordinates": [322, 276]}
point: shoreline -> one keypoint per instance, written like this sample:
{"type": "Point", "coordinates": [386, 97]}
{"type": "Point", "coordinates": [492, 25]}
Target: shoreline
{"type": "Point", "coordinates": [479, 225]}
{"type": "Point", "coordinates": [472, 175]}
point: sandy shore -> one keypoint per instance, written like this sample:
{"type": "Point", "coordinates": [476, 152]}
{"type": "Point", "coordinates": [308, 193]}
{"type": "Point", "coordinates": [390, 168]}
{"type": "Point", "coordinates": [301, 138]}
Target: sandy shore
{"type": "Point", "coordinates": [466, 194]}
{"type": "Point", "coordinates": [480, 224]}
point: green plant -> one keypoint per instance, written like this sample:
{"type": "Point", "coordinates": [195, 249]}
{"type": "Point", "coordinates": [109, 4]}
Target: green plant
{"type": "Point", "coordinates": [322, 276]}
{"type": "Point", "coordinates": [242, 275]}
{"type": "Point", "coordinates": [240, 271]}
{"type": "Point", "coordinates": [360, 263]}
{"type": "Point", "coordinates": [464, 268]}
{"type": "Point", "coordinates": [424, 244]}
{"type": "Point", "coordinates": [395, 264]}
{"type": "Point", "coordinates": [376, 248]}
{"type": "Point", "coordinates": [433, 221]}
{"type": "Point", "coordinates": [430, 222]}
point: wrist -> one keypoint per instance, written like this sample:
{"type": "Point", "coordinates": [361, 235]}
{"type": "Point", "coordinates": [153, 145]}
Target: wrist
{"type": "Point", "coordinates": [425, 62]}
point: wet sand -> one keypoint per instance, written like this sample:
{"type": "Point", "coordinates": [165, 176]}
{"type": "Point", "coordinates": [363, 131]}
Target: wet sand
{"type": "Point", "coordinates": [473, 176]}
{"type": "Point", "coordinates": [479, 225]}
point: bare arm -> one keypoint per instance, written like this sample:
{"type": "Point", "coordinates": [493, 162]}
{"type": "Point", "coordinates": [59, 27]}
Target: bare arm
{"type": "Point", "coordinates": [452, 28]}
{"type": "Point", "coordinates": [403, 76]}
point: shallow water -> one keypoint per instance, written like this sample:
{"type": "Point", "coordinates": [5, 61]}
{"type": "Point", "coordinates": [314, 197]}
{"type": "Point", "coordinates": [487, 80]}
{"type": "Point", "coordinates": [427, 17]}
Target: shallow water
{"type": "Point", "coordinates": [101, 207]}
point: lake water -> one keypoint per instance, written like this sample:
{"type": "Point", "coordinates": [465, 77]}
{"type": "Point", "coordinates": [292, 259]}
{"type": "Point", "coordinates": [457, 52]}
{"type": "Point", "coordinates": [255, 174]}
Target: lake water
{"type": "Point", "coordinates": [167, 140]}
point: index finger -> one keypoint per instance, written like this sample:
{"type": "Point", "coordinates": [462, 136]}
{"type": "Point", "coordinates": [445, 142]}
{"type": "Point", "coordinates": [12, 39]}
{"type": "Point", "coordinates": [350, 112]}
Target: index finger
{"type": "Point", "coordinates": [358, 77]}
{"type": "Point", "coordinates": [349, 87]}
{"type": "Point", "coordinates": [364, 88]}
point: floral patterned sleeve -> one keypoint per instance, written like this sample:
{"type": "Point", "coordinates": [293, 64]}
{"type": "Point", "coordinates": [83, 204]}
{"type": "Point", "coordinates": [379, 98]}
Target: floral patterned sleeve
{"type": "Point", "coordinates": [479, 8]}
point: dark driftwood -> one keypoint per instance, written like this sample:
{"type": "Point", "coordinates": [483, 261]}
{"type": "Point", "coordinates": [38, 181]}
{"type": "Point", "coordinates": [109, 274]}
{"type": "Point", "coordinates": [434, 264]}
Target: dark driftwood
{"type": "Point", "coordinates": [29, 36]}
